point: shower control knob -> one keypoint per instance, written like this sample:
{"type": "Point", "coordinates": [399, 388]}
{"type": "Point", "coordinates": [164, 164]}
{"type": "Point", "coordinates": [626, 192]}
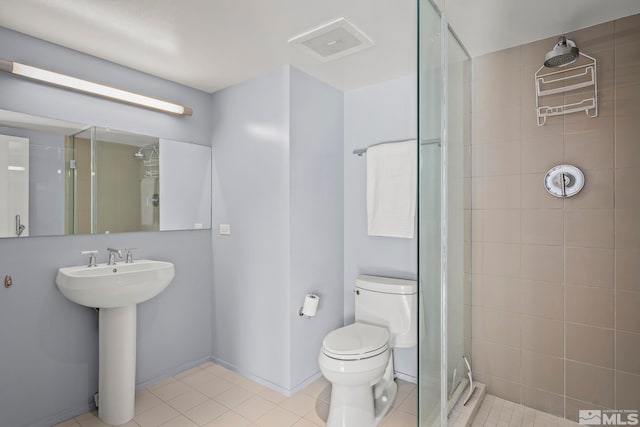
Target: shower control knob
{"type": "Point", "coordinates": [564, 181]}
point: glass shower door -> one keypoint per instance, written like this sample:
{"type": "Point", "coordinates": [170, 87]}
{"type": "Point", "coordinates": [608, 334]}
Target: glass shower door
{"type": "Point", "coordinates": [458, 217]}
{"type": "Point", "coordinates": [429, 223]}
{"type": "Point", "coordinates": [444, 217]}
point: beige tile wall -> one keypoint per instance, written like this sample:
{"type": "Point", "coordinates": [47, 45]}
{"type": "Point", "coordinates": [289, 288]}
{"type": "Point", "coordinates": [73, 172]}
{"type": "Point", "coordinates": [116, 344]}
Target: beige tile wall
{"type": "Point", "coordinates": [556, 283]}
{"type": "Point", "coordinates": [118, 189]}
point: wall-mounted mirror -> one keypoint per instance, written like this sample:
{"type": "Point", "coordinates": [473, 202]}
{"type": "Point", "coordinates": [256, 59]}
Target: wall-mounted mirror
{"type": "Point", "coordinates": [59, 178]}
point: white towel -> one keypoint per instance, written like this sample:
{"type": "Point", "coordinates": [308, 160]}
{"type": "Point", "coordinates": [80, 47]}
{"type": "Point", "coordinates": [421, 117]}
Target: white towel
{"type": "Point", "coordinates": [391, 189]}
{"type": "Point", "coordinates": [147, 189]}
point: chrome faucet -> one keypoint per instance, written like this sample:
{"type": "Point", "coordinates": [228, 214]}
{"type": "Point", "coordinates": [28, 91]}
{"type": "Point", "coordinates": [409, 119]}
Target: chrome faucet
{"type": "Point", "coordinates": [112, 255]}
{"type": "Point", "coordinates": [130, 255]}
{"type": "Point", "coordinates": [92, 257]}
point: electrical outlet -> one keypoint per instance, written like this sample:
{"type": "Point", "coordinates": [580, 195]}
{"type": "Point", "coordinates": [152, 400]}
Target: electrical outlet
{"type": "Point", "coordinates": [225, 229]}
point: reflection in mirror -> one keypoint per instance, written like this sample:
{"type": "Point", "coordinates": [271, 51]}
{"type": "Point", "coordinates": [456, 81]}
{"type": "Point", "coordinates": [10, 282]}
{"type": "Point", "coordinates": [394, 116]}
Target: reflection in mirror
{"type": "Point", "coordinates": [14, 184]}
{"type": "Point", "coordinates": [185, 186]}
{"type": "Point", "coordinates": [112, 179]}
{"type": "Point", "coordinates": [59, 178]}
{"type": "Point", "coordinates": [32, 168]}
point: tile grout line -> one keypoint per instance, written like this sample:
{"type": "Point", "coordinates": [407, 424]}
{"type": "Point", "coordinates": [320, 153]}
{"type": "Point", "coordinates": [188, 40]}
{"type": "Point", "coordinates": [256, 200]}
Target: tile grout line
{"type": "Point", "coordinates": [615, 279]}
{"type": "Point", "coordinates": [564, 291]}
{"type": "Point", "coordinates": [520, 234]}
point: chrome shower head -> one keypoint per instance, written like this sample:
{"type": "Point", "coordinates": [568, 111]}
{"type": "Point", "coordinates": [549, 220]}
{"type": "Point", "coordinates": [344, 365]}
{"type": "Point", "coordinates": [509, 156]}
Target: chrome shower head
{"type": "Point", "coordinates": [140, 153]}
{"type": "Point", "coordinates": [564, 53]}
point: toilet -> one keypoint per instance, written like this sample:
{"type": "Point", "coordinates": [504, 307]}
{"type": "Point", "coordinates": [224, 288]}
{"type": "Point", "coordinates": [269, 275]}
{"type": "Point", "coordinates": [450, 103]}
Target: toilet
{"type": "Point", "coordinates": [358, 359]}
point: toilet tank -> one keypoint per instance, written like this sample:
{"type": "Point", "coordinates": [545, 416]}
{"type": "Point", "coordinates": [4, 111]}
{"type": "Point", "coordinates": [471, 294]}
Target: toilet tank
{"type": "Point", "coordinates": [389, 302]}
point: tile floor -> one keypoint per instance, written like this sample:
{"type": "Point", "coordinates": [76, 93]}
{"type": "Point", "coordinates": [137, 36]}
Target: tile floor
{"type": "Point", "coordinates": [499, 412]}
{"type": "Point", "coordinates": [212, 396]}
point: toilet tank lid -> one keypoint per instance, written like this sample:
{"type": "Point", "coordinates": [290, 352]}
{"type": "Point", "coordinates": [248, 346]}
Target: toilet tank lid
{"type": "Point", "coordinates": [389, 285]}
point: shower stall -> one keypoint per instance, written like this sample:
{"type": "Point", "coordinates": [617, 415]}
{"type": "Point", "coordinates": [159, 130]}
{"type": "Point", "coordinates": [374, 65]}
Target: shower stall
{"type": "Point", "coordinates": [444, 217]}
{"type": "Point", "coordinates": [548, 212]}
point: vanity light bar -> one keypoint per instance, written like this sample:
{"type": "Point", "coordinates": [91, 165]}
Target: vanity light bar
{"type": "Point", "coordinates": [93, 88]}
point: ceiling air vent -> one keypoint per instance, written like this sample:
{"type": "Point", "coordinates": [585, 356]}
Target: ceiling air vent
{"type": "Point", "coordinates": [333, 40]}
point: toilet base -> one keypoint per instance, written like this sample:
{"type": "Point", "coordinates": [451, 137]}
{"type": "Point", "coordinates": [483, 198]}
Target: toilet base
{"type": "Point", "coordinates": [355, 406]}
{"type": "Point", "coordinates": [384, 393]}
{"type": "Point", "coordinates": [363, 405]}
{"type": "Point", "coordinates": [351, 406]}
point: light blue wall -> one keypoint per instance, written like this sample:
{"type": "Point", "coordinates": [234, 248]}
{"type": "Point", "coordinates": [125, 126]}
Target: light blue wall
{"type": "Point", "coordinates": [317, 212]}
{"type": "Point", "coordinates": [277, 149]}
{"type": "Point", "coordinates": [382, 112]}
{"type": "Point", "coordinates": [251, 192]}
{"type": "Point", "coordinates": [48, 345]}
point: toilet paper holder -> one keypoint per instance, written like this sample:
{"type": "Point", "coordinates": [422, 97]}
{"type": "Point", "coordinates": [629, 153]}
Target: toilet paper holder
{"type": "Point", "coordinates": [310, 306]}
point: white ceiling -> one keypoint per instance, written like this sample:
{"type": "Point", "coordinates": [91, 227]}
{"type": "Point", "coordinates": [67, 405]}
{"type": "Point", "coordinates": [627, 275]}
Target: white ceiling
{"type": "Point", "coordinates": [488, 25]}
{"type": "Point", "coordinates": [212, 44]}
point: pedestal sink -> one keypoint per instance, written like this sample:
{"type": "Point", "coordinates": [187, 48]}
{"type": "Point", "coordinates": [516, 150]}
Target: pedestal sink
{"type": "Point", "coordinates": [115, 290]}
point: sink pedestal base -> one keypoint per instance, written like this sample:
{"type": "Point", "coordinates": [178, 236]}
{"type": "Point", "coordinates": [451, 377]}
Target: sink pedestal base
{"type": "Point", "coordinates": [117, 364]}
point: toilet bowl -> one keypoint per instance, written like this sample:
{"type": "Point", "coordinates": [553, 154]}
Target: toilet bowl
{"type": "Point", "coordinates": [358, 359]}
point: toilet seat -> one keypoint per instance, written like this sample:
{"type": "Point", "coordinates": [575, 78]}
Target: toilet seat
{"type": "Point", "coordinates": [356, 342]}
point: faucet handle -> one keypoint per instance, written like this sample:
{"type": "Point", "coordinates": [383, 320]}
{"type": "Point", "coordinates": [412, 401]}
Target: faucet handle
{"type": "Point", "coordinates": [92, 257]}
{"type": "Point", "coordinates": [130, 254]}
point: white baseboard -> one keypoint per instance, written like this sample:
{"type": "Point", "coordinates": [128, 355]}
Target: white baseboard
{"type": "Point", "coordinates": [407, 378]}
{"type": "Point", "coordinates": [253, 377]}
{"type": "Point", "coordinates": [171, 372]}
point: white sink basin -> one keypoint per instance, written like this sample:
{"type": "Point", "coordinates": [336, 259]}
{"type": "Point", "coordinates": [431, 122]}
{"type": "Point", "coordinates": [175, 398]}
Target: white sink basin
{"type": "Point", "coordinates": [120, 285]}
{"type": "Point", "coordinates": [116, 290]}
